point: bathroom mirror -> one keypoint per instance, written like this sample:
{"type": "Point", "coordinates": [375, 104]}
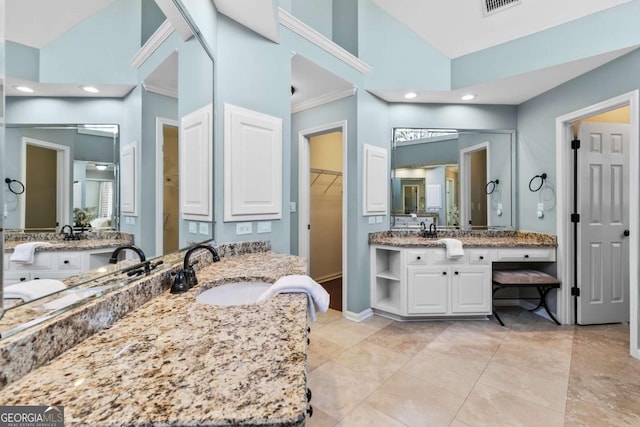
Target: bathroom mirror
{"type": "Point", "coordinates": [454, 178]}
{"type": "Point", "coordinates": [100, 44]}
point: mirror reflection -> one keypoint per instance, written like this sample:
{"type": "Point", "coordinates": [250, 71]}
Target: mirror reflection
{"type": "Point", "coordinates": [452, 178]}
{"type": "Point", "coordinates": [84, 94]}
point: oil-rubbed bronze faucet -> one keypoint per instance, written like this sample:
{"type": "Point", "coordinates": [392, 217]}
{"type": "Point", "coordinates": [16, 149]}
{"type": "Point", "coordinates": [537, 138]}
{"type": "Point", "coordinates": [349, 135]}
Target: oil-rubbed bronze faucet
{"type": "Point", "coordinates": [186, 278]}
{"type": "Point", "coordinates": [68, 235]}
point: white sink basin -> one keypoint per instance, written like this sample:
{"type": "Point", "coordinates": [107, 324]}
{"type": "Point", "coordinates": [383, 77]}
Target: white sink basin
{"type": "Point", "coordinates": [233, 293]}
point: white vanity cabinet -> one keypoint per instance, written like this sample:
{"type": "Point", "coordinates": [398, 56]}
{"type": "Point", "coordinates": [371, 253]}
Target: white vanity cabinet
{"type": "Point", "coordinates": [423, 282]}
{"type": "Point", "coordinates": [55, 265]}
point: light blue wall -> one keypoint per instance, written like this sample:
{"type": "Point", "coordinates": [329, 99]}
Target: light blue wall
{"type": "Point", "coordinates": [536, 128]}
{"type": "Point", "coordinates": [453, 116]}
{"type": "Point", "coordinates": [254, 73]}
{"type": "Point", "coordinates": [131, 133]}
{"type": "Point", "coordinates": [25, 61]}
{"type": "Point", "coordinates": [345, 25]}
{"type": "Point", "coordinates": [611, 29]}
{"type": "Point", "coordinates": [31, 110]}
{"type": "Point", "coordinates": [205, 17]}
{"type": "Point", "coordinates": [97, 50]}
{"type": "Point", "coordinates": [400, 59]}
{"type": "Point", "coordinates": [318, 14]}
{"type": "Point", "coordinates": [152, 17]}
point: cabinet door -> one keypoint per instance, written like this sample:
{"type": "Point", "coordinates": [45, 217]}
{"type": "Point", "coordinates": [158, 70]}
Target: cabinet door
{"type": "Point", "coordinates": [471, 289]}
{"type": "Point", "coordinates": [427, 290]}
{"type": "Point", "coordinates": [196, 176]}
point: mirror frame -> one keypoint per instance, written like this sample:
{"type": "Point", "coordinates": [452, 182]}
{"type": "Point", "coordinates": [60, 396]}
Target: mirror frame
{"type": "Point", "coordinates": [466, 227]}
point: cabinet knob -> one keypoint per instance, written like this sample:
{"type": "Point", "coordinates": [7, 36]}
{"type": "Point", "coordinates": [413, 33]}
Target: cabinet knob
{"type": "Point", "coordinates": [308, 341]}
{"type": "Point", "coordinates": [526, 256]}
{"type": "Point", "coordinates": [22, 279]}
{"type": "Point", "coordinates": [444, 273]}
{"type": "Point", "coordinates": [481, 257]}
{"type": "Point", "coordinates": [310, 411]}
{"type": "Point", "coordinates": [309, 395]}
{"type": "Point", "coordinates": [308, 329]}
{"type": "Point", "coordinates": [418, 258]}
{"type": "Point", "coordinates": [66, 261]}
{"type": "Point", "coordinates": [456, 273]}
{"type": "Point", "coordinates": [36, 278]}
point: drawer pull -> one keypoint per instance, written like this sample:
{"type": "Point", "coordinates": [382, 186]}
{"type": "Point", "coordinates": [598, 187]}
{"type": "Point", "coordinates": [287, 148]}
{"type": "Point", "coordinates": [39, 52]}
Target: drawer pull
{"type": "Point", "coordinates": [481, 257]}
{"type": "Point", "coordinates": [308, 329]}
{"type": "Point", "coordinates": [310, 411]}
{"type": "Point", "coordinates": [22, 279]}
{"type": "Point", "coordinates": [66, 261]}
{"type": "Point", "coordinates": [526, 256]}
{"type": "Point", "coordinates": [456, 273]}
{"type": "Point", "coordinates": [444, 273]}
{"type": "Point", "coordinates": [418, 258]}
{"type": "Point", "coordinates": [309, 395]}
{"type": "Point", "coordinates": [308, 341]}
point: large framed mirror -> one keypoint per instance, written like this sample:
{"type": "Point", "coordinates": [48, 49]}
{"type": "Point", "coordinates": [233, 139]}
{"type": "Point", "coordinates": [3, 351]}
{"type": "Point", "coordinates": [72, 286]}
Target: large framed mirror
{"type": "Point", "coordinates": [453, 178]}
{"type": "Point", "coordinates": [106, 75]}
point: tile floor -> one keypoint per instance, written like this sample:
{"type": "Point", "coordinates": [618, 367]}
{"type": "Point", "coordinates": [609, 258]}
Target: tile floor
{"type": "Point", "coordinates": [471, 373]}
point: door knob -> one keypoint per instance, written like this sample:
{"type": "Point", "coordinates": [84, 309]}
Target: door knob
{"type": "Point", "coordinates": [626, 233]}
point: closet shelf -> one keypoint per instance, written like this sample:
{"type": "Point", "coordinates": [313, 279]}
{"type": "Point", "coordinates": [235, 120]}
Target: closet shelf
{"type": "Point", "coordinates": [321, 172]}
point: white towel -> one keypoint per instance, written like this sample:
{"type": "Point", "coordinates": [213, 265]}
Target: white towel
{"type": "Point", "coordinates": [454, 247]}
{"type": "Point", "coordinates": [33, 289]}
{"type": "Point", "coordinates": [25, 252]}
{"type": "Point", "coordinates": [317, 296]}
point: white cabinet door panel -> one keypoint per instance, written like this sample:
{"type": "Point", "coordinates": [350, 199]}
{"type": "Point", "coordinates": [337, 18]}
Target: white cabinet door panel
{"type": "Point", "coordinates": [427, 290]}
{"type": "Point", "coordinates": [128, 181]}
{"type": "Point", "coordinates": [471, 290]}
{"type": "Point", "coordinates": [375, 180]}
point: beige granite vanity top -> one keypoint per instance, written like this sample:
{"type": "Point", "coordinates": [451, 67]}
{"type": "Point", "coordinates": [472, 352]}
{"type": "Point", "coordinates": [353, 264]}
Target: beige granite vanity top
{"type": "Point", "coordinates": [72, 245]}
{"type": "Point", "coordinates": [174, 361]}
{"type": "Point", "coordinates": [470, 239]}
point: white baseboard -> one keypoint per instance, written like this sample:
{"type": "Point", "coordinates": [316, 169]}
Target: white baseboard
{"type": "Point", "coordinates": [358, 317]}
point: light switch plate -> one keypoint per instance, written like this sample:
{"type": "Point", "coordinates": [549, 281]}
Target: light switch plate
{"type": "Point", "coordinates": [372, 220]}
{"type": "Point", "coordinates": [244, 228]}
{"type": "Point", "coordinates": [193, 227]}
{"type": "Point", "coordinates": [292, 207]}
{"type": "Point", "coordinates": [264, 227]}
{"type": "Point", "coordinates": [132, 220]}
{"type": "Point", "coordinates": [378, 220]}
{"type": "Point", "coordinates": [204, 228]}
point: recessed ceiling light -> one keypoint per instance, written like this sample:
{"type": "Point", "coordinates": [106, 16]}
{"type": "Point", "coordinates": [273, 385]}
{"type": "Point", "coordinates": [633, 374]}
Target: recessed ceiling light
{"type": "Point", "coordinates": [101, 167]}
{"type": "Point", "coordinates": [90, 89]}
{"type": "Point", "coordinates": [410, 95]}
{"type": "Point", "coordinates": [468, 97]}
{"type": "Point", "coordinates": [25, 89]}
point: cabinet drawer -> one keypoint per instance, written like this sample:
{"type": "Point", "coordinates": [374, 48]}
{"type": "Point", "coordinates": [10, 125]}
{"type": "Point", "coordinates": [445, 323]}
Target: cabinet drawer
{"type": "Point", "coordinates": [526, 254]}
{"type": "Point", "coordinates": [68, 261]}
{"type": "Point", "coordinates": [41, 261]}
{"type": "Point", "coordinates": [479, 256]}
{"type": "Point", "coordinates": [13, 277]}
{"type": "Point", "coordinates": [416, 257]}
{"type": "Point", "coordinates": [439, 257]}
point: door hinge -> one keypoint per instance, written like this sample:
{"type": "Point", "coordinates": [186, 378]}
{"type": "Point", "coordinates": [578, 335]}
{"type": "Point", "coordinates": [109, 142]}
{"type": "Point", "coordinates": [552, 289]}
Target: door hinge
{"type": "Point", "coordinates": [575, 144]}
{"type": "Point", "coordinates": [575, 217]}
{"type": "Point", "coordinates": [575, 291]}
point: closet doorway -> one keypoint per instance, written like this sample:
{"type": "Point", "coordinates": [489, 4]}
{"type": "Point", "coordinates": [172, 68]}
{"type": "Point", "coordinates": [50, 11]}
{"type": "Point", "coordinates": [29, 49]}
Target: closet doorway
{"type": "Point", "coordinates": [167, 187]}
{"type": "Point", "coordinates": [322, 209]}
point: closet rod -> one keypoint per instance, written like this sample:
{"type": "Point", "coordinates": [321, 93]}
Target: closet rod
{"type": "Point", "coordinates": [320, 172]}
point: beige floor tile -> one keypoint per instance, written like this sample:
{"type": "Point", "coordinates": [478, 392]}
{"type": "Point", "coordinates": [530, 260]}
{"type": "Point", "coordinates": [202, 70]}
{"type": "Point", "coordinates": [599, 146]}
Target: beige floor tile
{"type": "Point", "coordinates": [321, 351]}
{"type": "Point", "coordinates": [458, 423]}
{"type": "Point", "coordinates": [375, 362]}
{"type": "Point", "coordinates": [488, 406]}
{"type": "Point", "coordinates": [320, 419]}
{"type": "Point", "coordinates": [366, 416]}
{"type": "Point", "coordinates": [414, 402]}
{"type": "Point", "coordinates": [618, 392]}
{"type": "Point", "coordinates": [456, 372]}
{"type": "Point", "coordinates": [328, 317]}
{"type": "Point", "coordinates": [338, 390]}
{"type": "Point", "coordinates": [344, 332]}
{"type": "Point", "coordinates": [538, 387]}
{"type": "Point", "coordinates": [535, 356]}
{"type": "Point", "coordinates": [376, 322]}
{"type": "Point", "coordinates": [401, 340]}
{"type": "Point", "coordinates": [589, 414]}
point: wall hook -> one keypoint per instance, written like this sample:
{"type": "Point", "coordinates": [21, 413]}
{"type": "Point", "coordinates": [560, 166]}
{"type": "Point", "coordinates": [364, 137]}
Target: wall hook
{"type": "Point", "coordinates": [493, 185]}
{"type": "Point", "coordinates": [15, 186]}
{"type": "Point", "coordinates": [542, 178]}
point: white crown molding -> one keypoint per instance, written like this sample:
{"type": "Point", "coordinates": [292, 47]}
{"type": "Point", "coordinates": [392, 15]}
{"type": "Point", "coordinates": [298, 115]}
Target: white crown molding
{"type": "Point", "coordinates": [305, 31]}
{"type": "Point", "coordinates": [160, 90]}
{"type": "Point", "coordinates": [154, 42]}
{"type": "Point", "coordinates": [323, 99]}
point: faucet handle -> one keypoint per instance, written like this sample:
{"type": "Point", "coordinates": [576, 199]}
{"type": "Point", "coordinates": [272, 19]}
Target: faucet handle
{"type": "Point", "coordinates": [179, 283]}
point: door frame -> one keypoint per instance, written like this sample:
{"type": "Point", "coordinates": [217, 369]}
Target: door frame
{"type": "Point", "coordinates": [465, 183]}
{"type": "Point", "coordinates": [564, 174]}
{"type": "Point", "coordinates": [304, 202]}
{"type": "Point", "coordinates": [160, 123]}
{"type": "Point", "coordinates": [63, 180]}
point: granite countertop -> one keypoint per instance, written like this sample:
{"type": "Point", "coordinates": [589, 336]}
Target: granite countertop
{"type": "Point", "coordinates": [178, 362]}
{"type": "Point", "coordinates": [72, 245]}
{"type": "Point", "coordinates": [469, 239]}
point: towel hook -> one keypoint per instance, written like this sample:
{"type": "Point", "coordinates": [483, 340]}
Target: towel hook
{"type": "Point", "coordinates": [493, 186]}
{"type": "Point", "coordinates": [15, 189]}
{"type": "Point", "coordinates": [542, 178]}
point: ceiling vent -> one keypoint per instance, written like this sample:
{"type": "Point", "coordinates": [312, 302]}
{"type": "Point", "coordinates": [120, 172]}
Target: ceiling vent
{"type": "Point", "coordinates": [490, 7]}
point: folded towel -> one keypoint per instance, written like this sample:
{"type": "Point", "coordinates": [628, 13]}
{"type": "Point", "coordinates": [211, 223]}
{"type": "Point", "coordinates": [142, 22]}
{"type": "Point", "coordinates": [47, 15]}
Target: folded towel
{"type": "Point", "coordinates": [454, 247]}
{"type": "Point", "coordinates": [317, 296]}
{"type": "Point", "coordinates": [33, 289]}
{"type": "Point", "coordinates": [25, 252]}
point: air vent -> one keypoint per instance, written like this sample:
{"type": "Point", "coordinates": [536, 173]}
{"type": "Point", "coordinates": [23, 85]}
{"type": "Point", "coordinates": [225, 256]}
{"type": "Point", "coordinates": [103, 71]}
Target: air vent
{"type": "Point", "coordinates": [492, 6]}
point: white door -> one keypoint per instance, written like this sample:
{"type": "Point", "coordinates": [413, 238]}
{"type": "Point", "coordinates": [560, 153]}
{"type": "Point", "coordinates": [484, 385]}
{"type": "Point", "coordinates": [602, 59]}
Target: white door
{"type": "Point", "coordinates": [427, 290]}
{"type": "Point", "coordinates": [471, 290]}
{"type": "Point", "coordinates": [603, 247]}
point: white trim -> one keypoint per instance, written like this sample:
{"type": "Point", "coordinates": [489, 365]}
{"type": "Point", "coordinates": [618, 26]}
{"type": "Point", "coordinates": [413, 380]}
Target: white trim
{"type": "Point", "coordinates": [160, 124]}
{"type": "Point", "coordinates": [329, 277]}
{"type": "Point", "coordinates": [304, 199]}
{"type": "Point", "coordinates": [303, 30]}
{"type": "Point", "coordinates": [63, 180]}
{"type": "Point", "coordinates": [563, 191]}
{"type": "Point", "coordinates": [172, 93]}
{"type": "Point", "coordinates": [322, 99]}
{"type": "Point", "coordinates": [152, 44]}
{"type": "Point", "coordinates": [174, 15]}
{"type": "Point", "coordinates": [465, 182]}
{"type": "Point", "coordinates": [358, 317]}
